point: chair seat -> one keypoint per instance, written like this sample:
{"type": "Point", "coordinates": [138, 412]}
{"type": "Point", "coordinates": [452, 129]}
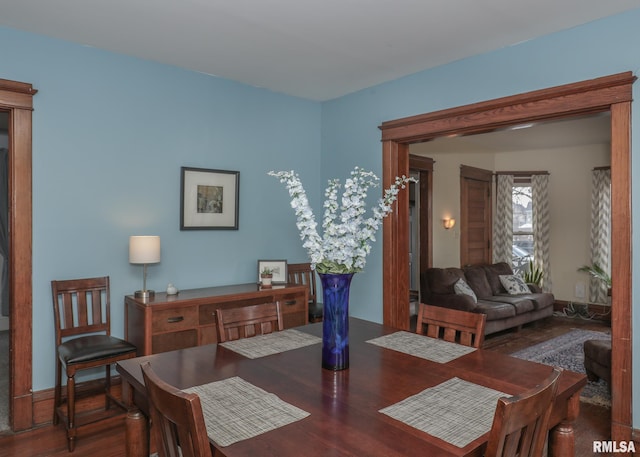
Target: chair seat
{"type": "Point", "coordinates": [92, 347]}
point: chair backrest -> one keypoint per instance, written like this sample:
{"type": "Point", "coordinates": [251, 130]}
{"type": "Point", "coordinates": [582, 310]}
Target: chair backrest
{"type": "Point", "coordinates": [521, 422]}
{"type": "Point", "coordinates": [81, 306]}
{"type": "Point", "coordinates": [452, 325]}
{"type": "Point", "coordinates": [301, 273]}
{"type": "Point", "coordinates": [176, 417]}
{"type": "Point", "coordinates": [248, 321]}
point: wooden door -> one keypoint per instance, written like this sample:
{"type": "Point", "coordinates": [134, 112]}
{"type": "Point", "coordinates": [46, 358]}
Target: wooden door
{"type": "Point", "coordinates": [475, 215]}
{"type": "Point", "coordinates": [424, 167]}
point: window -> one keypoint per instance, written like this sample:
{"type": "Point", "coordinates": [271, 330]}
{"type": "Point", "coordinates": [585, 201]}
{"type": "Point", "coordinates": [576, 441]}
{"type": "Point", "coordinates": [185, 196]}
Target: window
{"type": "Point", "coordinates": [522, 248]}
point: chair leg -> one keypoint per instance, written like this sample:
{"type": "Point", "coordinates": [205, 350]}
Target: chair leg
{"type": "Point", "coordinates": [57, 393]}
{"type": "Point", "coordinates": [107, 387]}
{"type": "Point", "coordinates": [71, 413]}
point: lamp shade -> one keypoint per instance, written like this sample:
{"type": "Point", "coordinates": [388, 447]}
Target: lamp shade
{"type": "Point", "coordinates": [144, 249]}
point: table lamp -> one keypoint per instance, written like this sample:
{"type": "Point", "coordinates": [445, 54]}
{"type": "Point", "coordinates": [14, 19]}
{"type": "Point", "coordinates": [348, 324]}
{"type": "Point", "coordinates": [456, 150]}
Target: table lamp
{"type": "Point", "coordinates": [144, 250]}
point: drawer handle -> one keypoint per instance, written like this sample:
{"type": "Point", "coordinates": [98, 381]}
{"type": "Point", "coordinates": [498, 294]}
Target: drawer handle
{"type": "Point", "coordinates": [290, 302]}
{"type": "Point", "coordinates": [174, 320]}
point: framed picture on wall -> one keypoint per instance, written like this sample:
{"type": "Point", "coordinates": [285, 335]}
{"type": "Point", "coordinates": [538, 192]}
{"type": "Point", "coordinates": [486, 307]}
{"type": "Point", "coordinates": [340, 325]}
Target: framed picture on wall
{"type": "Point", "coordinates": [209, 199]}
{"type": "Point", "coordinates": [278, 270]}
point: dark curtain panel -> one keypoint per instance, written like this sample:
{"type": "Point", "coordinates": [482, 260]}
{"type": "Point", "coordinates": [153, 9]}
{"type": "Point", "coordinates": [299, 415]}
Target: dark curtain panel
{"type": "Point", "coordinates": [4, 232]}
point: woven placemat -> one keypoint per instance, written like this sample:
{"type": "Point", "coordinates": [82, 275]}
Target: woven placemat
{"type": "Point", "coordinates": [271, 343]}
{"type": "Point", "coordinates": [235, 410]}
{"type": "Point", "coordinates": [455, 411]}
{"type": "Point", "coordinates": [422, 346]}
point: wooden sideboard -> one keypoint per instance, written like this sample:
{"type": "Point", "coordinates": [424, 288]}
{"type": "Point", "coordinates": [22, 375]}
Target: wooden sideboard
{"type": "Point", "coordinates": [168, 322]}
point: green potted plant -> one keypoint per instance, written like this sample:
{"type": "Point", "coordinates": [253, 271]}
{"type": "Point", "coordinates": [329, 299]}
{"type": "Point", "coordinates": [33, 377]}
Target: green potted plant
{"type": "Point", "coordinates": [266, 276]}
{"type": "Point", "coordinates": [533, 275]}
{"type": "Point", "coordinates": [596, 271]}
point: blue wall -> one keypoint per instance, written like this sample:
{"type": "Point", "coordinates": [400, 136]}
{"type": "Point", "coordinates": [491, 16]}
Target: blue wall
{"type": "Point", "coordinates": [110, 134]}
{"type": "Point", "coordinates": [349, 123]}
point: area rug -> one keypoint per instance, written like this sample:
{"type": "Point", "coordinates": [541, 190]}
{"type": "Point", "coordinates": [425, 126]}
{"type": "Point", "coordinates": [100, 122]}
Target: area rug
{"type": "Point", "coordinates": [4, 380]}
{"type": "Point", "coordinates": [566, 351]}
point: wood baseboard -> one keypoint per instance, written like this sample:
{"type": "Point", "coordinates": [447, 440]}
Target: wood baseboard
{"type": "Point", "coordinates": [89, 396]}
{"type": "Point", "coordinates": [596, 310]}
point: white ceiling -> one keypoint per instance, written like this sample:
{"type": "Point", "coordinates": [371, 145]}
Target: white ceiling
{"type": "Point", "coordinates": [315, 49]}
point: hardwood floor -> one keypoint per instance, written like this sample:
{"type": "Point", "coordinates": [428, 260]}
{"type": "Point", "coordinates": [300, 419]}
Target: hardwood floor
{"type": "Point", "coordinates": [593, 423]}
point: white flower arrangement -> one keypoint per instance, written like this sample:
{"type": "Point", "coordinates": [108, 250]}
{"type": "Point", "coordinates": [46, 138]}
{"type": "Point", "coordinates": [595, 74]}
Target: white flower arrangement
{"type": "Point", "coordinates": [346, 239]}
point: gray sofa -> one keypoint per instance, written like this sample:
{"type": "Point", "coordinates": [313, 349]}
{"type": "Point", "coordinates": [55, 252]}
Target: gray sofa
{"type": "Point", "coordinates": [503, 310]}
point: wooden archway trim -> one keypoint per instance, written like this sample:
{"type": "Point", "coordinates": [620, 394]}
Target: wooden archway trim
{"type": "Point", "coordinates": [17, 99]}
{"type": "Point", "coordinates": [611, 93]}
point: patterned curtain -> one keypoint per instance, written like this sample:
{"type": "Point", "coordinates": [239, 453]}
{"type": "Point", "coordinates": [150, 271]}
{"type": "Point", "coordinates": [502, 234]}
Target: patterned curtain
{"type": "Point", "coordinates": [503, 225]}
{"type": "Point", "coordinates": [541, 232]}
{"type": "Point", "coordinates": [600, 231]}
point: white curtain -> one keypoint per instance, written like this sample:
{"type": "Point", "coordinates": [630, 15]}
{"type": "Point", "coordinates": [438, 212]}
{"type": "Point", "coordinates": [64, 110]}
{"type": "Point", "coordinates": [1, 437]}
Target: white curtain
{"type": "Point", "coordinates": [503, 224]}
{"type": "Point", "coordinates": [541, 231]}
{"type": "Point", "coordinates": [600, 231]}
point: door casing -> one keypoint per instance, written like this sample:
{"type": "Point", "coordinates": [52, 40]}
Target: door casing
{"type": "Point", "coordinates": [610, 93]}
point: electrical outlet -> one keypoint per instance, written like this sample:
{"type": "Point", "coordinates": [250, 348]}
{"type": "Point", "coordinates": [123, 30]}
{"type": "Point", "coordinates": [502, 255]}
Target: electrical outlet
{"type": "Point", "coordinates": [580, 291]}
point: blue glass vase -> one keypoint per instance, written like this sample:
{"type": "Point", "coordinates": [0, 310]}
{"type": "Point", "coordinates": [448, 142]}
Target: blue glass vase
{"type": "Point", "coordinates": [335, 323]}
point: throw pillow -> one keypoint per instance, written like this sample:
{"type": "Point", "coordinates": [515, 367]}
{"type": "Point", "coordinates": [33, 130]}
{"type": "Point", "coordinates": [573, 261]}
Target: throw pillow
{"type": "Point", "coordinates": [462, 288]}
{"type": "Point", "coordinates": [514, 284]}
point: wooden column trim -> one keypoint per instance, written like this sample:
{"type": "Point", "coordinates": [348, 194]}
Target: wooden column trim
{"type": "Point", "coordinates": [395, 236]}
{"type": "Point", "coordinates": [16, 98]}
{"type": "Point", "coordinates": [621, 297]}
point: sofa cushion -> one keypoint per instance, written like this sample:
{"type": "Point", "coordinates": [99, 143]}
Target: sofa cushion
{"type": "Point", "coordinates": [493, 276]}
{"type": "Point", "coordinates": [521, 303]}
{"type": "Point", "coordinates": [462, 288]}
{"type": "Point", "coordinates": [442, 280]}
{"type": "Point", "coordinates": [514, 284]}
{"type": "Point", "coordinates": [477, 280]}
{"type": "Point", "coordinates": [541, 300]}
{"type": "Point", "coordinates": [495, 310]}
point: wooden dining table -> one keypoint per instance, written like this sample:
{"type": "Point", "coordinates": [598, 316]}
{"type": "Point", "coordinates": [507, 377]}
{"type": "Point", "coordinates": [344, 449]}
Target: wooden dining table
{"type": "Point", "coordinates": [344, 406]}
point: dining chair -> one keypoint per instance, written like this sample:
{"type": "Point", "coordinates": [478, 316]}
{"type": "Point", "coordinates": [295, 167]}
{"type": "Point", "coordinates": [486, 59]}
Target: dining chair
{"type": "Point", "coordinates": [301, 273]}
{"type": "Point", "coordinates": [83, 340]}
{"type": "Point", "coordinates": [521, 423]}
{"type": "Point", "coordinates": [177, 421]}
{"type": "Point", "coordinates": [451, 325]}
{"type": "Point", "coordinates": [248, 321]}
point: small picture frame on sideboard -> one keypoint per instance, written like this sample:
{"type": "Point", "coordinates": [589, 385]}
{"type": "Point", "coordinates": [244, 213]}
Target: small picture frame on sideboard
{"type": "Point", "coordinates": [278, 270]}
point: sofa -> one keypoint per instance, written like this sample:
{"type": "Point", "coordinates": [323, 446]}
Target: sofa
{"type": "Point", "coordinates": [483, 289]}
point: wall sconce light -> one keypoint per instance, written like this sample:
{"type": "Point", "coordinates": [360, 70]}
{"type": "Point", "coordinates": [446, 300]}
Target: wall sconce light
{"type": "Point", "coordinates": [448, 223]}
{"type": "Point", "coordinates": [144, 250]}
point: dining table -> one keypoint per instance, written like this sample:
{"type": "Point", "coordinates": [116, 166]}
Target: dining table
{"type": "Point", "coordinates": [403, 394]}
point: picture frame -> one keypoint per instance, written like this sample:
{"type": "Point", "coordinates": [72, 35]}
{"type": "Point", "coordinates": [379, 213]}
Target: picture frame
{"type": "Point", "coordinates": [279, 268]}
{"type": "Point", "coordinates": [209, 199]}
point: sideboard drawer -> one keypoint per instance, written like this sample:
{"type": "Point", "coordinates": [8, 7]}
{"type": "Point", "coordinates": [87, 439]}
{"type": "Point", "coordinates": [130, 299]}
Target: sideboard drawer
{"type": "Point", "coordinates": [173, 320]}
{"type": "Point", "coordinates": [175, 340]}
{"type": "Point", "coordinates": [207, 313]}
{"type": "Point", "coordinates": [292, 303]}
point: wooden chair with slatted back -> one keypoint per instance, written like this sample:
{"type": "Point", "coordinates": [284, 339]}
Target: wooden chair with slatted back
{"type": "Point", "coordinates": [176, 417]}
{"type": "Point", "coordinates": [521, 422]}
{"type": "Point", "coordinates": [451, 325]}
{"type": "Point", "coordinates": [248, 321]}
{"type": "Point", "coordinates": [83, 341]}
{"type": "Point", "coordinates": [301, 273]}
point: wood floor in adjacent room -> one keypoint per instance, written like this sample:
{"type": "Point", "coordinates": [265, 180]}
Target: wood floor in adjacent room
{"type": "Point", "coordinates": [593, 423]}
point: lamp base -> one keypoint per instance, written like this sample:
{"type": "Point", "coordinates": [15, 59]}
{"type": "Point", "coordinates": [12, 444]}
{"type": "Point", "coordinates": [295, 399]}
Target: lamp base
{"type": "Point", "coordinates": [144, 294]}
